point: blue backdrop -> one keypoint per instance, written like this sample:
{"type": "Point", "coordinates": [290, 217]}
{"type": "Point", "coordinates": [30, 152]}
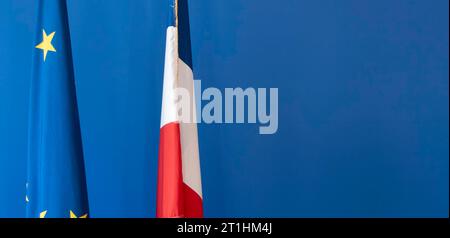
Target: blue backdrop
{"type": "Point", "coordinates": [363, 103]}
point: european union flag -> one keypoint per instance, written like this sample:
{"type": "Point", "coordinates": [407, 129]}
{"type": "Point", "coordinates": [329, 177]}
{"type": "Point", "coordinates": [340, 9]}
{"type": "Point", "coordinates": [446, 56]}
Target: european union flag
{"type": "Point", "coordinates": [56, 184]}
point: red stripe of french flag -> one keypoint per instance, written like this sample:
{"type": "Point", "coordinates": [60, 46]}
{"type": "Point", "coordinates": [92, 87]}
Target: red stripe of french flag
{"type": "Point", "coordinates": [179, 191]}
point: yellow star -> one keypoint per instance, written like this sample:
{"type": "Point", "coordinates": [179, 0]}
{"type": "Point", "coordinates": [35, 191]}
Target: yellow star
{"type": "Point", "coordinates": [46, 44]}
{"type": "Point", "coordinates": [42, 214]}
{"type": "Point", "coordinates": [72, 215]}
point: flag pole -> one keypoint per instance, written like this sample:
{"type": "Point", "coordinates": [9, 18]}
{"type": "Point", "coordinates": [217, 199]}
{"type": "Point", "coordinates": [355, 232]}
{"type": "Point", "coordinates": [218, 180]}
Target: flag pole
{"type": "Point", "coordinates": [176, 13]}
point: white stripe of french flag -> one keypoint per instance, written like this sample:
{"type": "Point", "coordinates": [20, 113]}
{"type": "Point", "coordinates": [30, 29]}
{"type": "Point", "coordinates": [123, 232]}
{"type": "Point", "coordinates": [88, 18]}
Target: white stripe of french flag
{"type": "Point", "coordinates": [179, 192]}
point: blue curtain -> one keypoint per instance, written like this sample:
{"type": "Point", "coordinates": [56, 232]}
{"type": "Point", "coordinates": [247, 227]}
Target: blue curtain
{"type": "Point", "coordinates": [363, 105]}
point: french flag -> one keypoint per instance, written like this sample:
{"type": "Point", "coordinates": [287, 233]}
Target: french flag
{"type": "Point", "coordinates": [179, 193]}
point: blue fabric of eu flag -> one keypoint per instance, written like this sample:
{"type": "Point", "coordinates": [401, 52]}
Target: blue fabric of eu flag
{"type": "Point", "coordinates": [56, 184]}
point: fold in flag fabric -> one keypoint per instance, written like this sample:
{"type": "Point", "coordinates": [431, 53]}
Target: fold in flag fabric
{"type": "Point", "coordinates": [56, 185]}
{"type": "Point", "coordinates": [179, 192]}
